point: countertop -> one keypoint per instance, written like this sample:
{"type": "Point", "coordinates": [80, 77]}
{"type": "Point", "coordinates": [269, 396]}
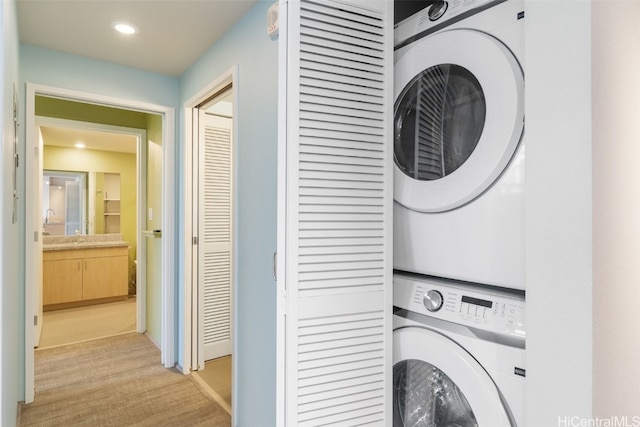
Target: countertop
{"type": "Point", "coordinates": [91, 241]}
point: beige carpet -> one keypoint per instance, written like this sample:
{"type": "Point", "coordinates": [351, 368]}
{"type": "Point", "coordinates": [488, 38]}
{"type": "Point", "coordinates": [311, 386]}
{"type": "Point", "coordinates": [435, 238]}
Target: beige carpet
{"type": "Point", "coordinates": [79, 324]}
{"type": "Point", "coordinates": [217, 376]}
{"type": "Point", "coordinates": [115, 381]}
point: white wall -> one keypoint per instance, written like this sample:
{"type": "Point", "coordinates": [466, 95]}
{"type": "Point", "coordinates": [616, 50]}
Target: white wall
{"type": "Point", "coordinates": [247, 46]}
{"type": "Point", "coordinates": [616, 209]}
{"type": "Point", "coordinates": [558, 210]}
{"type": "Point", "coordinates": [10, 237]}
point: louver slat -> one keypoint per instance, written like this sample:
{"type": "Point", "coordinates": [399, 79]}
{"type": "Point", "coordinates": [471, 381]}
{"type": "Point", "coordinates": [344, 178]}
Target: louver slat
{"type": "Point", "coordinates": [217, 297]}
{"type": "Point", "coordinates": [339, 160]}
{"type": "Point", "coordinates": [217, 181]}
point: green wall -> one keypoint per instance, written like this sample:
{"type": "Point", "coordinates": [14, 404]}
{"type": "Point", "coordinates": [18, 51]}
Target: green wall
{"type": "Point", "coordinates": [75, 160]}
{"type": "Point", "coordinates": [83, 112]}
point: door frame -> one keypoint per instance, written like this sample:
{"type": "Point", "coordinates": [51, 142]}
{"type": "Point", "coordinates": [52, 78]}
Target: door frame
{"type": "Point", "coordinates": [168, 323]}
{"type": "Point", "coordinates": [141, 203]}
{"type": "Point", "coordinates": [192, 356]}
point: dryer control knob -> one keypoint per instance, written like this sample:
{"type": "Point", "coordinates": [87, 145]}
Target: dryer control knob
{"type": "Point", "coordinates": [438, 8]}
{"type": "Point", "coordinates": [432, 300]}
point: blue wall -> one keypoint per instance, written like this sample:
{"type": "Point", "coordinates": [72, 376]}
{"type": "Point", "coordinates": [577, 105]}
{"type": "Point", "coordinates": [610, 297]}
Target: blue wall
{"type": "Point", "coordinates": [62, 70]}
{"type": "Point", "coordinates": [11, 317]}
{"type": "Point", "coordinates": [256, 55]}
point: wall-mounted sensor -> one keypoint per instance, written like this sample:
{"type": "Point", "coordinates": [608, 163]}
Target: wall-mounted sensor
{"type": "Point", "coordinates": [272, 21]}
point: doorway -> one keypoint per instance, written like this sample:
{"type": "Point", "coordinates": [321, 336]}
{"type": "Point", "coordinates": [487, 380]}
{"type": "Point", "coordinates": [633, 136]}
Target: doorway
{"type": "Point", "coordinates": [90, 189]}
{"type": "Point", "coordinates": [160, 221]}
{"type": "Point", "coordinates": [211, 123]}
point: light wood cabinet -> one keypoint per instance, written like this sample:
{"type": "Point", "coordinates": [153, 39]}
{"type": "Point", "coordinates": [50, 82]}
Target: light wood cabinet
{"type": "Point", "coordinates": [84, 275]}
{"type": "Point", "coordinates": [62, 281]}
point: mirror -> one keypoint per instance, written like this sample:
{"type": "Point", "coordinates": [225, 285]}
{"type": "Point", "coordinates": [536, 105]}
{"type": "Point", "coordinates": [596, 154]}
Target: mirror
{"type": "Point", "coordinates": [80, 202]}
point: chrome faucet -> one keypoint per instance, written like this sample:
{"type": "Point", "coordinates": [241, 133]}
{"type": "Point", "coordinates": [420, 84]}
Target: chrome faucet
{"type": "Point", "coordinates": [46, 217]}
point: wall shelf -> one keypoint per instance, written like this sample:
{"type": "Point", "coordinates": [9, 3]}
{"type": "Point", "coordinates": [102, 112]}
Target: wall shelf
{"type": "Point", "coordinates": [111, 212]}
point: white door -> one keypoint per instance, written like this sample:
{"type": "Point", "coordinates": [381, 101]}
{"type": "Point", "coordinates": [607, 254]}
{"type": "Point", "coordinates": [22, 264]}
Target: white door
{"type": "Point", "coordinates": [215, 231]}
{"type": "Point", "coordinates": [36, 268]}
{"type": "Point", "coordinates": [437, 382]}
{"type": "Point", "coordinates": [334, 213]}
{"type": "Point", "coordinates": [459, 118]}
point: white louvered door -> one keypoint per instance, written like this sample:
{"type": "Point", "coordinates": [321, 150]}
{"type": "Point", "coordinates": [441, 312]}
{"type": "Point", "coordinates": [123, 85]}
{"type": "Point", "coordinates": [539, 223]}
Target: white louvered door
{"type": "Point", "coordinates": [335, 213]}
{"type": "Point", "coordinates": [215, 228]}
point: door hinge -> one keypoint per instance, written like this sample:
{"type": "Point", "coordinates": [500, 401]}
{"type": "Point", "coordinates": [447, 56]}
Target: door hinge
{"type": "Point", "coordinates": [35, 320]}
{"type": "Point", "coordinates": [35, 236]}
{"type": "Point", "coordinates": [195, 240]}
{"type": "Point", "coordinates": [36, 152]}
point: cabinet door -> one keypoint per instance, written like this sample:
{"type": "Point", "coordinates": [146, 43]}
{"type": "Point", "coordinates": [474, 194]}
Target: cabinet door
{"type": "Point", "coordinates": [62, 281]}
{"type": "Point", "coordinates": [104, 277]}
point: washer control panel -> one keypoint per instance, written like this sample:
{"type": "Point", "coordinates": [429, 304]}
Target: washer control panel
{"type": "Point", "coordinates": [435, 14]}
{"type": "Point", "coordinates": [481, 308]}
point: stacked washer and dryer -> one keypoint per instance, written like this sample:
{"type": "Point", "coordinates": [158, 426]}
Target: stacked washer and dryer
{"type": "Point", "coordinates": [459, 329]}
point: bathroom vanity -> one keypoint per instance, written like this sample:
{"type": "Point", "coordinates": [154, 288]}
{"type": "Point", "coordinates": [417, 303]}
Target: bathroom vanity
{"type": "Point", "coordinates": [83, 270]}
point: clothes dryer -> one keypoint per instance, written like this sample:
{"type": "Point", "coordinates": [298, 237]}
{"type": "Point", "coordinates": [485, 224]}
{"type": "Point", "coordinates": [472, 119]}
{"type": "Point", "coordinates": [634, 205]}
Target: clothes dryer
{"type": "Point", "coordinates": [459, 142]}
{"type": "Point", "coordinates": [458, 355]}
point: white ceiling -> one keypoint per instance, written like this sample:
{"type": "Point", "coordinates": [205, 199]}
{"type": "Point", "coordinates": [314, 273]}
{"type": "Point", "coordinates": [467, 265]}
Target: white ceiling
{"type": "Point", "coordinates": [172, 35]}
{"type": "Point", "coordinates": [94, 140]}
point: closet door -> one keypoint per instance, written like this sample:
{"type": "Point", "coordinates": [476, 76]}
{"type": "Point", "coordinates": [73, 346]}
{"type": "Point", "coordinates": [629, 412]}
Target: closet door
{"type": "Point", "coordinates": [215, 229]}
{"type": "Point", "coordinates": [334, 213]}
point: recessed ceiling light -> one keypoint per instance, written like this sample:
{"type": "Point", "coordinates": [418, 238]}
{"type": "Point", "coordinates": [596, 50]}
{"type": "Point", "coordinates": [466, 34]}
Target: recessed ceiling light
{"type": "Point", "coordinates": [124, 28]}
{"type": "Point", "coordinates": [80, 145]}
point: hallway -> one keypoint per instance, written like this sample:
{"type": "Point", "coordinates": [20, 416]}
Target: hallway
{"type": "Point", "coordinates": [116, 381]}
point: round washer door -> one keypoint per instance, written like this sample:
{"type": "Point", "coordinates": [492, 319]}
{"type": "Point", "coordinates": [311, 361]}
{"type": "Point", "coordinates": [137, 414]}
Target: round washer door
{"type": "Point", "coordinates": [458, 118]}
{"type": "Point", "coordinates": [437, 383]}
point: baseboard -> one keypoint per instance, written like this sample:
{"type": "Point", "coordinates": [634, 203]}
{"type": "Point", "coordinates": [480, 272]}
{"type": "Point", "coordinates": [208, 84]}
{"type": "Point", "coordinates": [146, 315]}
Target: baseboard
{"type": "Point", "coordinates": [21, 405]}
{"type": "Point", "coordinates": [152, 340]}
{"type": "Point", "coordinates": [83, 341]}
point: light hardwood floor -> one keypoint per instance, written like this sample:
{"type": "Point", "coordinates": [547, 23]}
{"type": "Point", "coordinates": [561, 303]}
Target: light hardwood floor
{"type": "Point", "coordinates": [72, 325]}
{"type": "Point", "coordinates": [216, 379]}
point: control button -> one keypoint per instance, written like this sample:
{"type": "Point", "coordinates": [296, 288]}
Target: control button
{"type": "Point", "coordinates": [438, 8]}
{"type": "Point", "coordinates": [432, 300]}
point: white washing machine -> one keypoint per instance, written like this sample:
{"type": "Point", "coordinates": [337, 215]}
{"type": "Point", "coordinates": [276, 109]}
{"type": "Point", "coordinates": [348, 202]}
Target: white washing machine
{"type": "Point", "coordinates": [459, 141]}
{"type": "Point", "coordinates": [458, 355]}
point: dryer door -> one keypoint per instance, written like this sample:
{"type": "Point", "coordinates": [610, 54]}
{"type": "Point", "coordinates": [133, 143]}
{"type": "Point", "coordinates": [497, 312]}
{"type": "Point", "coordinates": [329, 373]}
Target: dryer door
{"type": "Point", "coordinates": [459, 118]}
{"type": "Point", "coordinates": [437, 383]}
